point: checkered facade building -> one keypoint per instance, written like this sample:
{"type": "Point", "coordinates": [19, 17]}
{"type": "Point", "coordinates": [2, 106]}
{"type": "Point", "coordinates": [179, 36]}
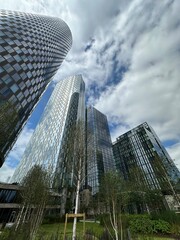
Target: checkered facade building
{"type": "Point", "coordinates": [32, 47]}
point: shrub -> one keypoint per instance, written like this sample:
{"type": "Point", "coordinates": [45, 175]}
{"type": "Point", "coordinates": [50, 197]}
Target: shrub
{"type": "Point", "coordinates": [144, 225]}
{"type": "Point", "coordinates": [160, 226]}
{"type": "Point", "coordinates": [175, 229]}
{"type": "Point", "coordinates": [105, 236]}
{"type": "Point", "coordinates": [141, 224]}
{"type": "Point", "coordinates": [168, 216]}
{"type": "Point", "coordinates": [53, 219]}
{"type": "Point", "coordinates": [4, 234]}
{"type": "Point", "coordinates": [104, 219]}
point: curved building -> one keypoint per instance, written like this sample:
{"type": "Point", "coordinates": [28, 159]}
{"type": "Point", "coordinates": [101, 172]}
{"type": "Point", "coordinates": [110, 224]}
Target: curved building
{"type": "Point", "coordinates": [32, 47]}
{"type": "Point", "coordinates": [65, 107]}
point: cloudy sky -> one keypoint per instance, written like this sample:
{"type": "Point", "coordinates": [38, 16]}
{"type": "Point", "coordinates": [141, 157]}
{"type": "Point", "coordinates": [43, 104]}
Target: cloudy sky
{"type": "Point", "coordinates": [129, 55]}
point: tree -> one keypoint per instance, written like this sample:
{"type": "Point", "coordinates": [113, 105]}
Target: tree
{"type": "Point", "coordinates": [71, 172]}
{"type": "Point", "coordinates": [137, 188]}
{"type": "Point", "coordinates": [78, 167]}
{"type": "Point", "coordinates": [164, 180]}
{"type": "Point", "coordinates": [8, 121]}
{"type": "Point", "coordinates": [35, 192]}
{"type": "Point", "coordinates": [114, 197]}
{"type": "Point", "coordinates": [72, 166]}
{"type": "Point", "coordinates": [142, 195]}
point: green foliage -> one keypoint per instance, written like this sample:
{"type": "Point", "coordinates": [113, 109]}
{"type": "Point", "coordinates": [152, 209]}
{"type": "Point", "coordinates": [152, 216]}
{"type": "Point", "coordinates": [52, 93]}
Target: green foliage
{"type": "Point", "coordinates": [175, 229]}
{"type": "Point", "coordinates": [112, 192]}
{"type": "Point", "coordinates": [103, 218]}
{"type": "Point", "coordinates": [154, 199]}
{"type": "Point", "coordinates": [171, 217]}
{"type": "Point", "coordinates": [153, 238]}
{"type": "Point", "coordinates": [145, 225]}
{"type": "Point", "coordinates": [8, 121]}
{"type": "Point", "coordinates": [4, 234]}
{"type": "Point", "coordinates": [35, 192]}
{"type": "Point", "coordinates": [105, 235]}
{"type": "Point", "coordinates": [35, 186]}
{"type": "Point", "coordinates": [92, 229]}
{"type": "Point", "coordinates": [141, 224]}
{"type": "Point", "coordinates": [168, 216]}
{"type": "Point", "coordinates": [23, 233]}
{"type": "Point", "coordinates": [160, 226]}
{"type": "Point", "coordinates": [53, 218]}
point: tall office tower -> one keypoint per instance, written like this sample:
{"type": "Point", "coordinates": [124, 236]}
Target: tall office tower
{"type": "Point", "coordinates": [32, 47]}
{"type": "Point", "coordinates": [139, 154]}
{"type": "Point", "coordinates": [99, 148]}
{"type": "Point", "coordinates": [65, 107]}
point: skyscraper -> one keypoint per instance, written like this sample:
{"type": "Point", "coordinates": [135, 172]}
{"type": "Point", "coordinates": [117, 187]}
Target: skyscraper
{"type": "Point", "coordinates": [65, 107]}
{"type": "Point", "coordinates": [32, 47]}
{"type": "Point", "coordinates": [99, 148]}
{"type": "Point", "coordinates": [140, 154]}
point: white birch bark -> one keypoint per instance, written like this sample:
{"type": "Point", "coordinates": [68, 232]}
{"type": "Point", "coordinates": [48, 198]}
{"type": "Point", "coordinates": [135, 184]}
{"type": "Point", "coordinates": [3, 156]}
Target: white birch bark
{"type": "Point", "coordinates": [76, 205]}
{"type": "Point", "coordinates": [19, 218]}
{"type": "Point", "coordinates": [115, 221]}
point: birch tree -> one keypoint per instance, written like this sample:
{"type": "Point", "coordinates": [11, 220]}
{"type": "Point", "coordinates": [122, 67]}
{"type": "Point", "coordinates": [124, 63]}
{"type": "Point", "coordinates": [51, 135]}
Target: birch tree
{"type": "Point", "coordinates": [35, 192]}
{"type": "Point", "coordinates": [72, 166]}
{"type": "Point", "coordinates": [114, 197]}
{"type": "Point", "coordinates": [78, 170]}
{"type": "Point", "coordinates": [164, 180]}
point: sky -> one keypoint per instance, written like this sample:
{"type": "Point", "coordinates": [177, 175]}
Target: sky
{"type": "Point", "coordinates": [128, 53]}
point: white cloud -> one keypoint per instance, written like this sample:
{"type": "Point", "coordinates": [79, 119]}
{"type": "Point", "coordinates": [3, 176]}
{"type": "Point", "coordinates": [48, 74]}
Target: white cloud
{"type": "Point", "coordinates": [6, 172]}
{"type": "Point", "coordinates": [118, 130]}
{"type": "Point", "coordinates": [140, 36]}
{"type": "Point", "coordinates": [22, 141]}
{"type": "Point", "coordinates": [149, 90]}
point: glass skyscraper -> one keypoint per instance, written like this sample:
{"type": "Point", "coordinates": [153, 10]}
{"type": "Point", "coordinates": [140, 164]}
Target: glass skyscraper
{"type": "Point", "coordinates": [65, 107]}
{"type": "Point", "coordinates": [99, 148]}
{"type": "Point", "coordinates": [140, 154]}
{"type": "Point", "coordinates": [32, 47]}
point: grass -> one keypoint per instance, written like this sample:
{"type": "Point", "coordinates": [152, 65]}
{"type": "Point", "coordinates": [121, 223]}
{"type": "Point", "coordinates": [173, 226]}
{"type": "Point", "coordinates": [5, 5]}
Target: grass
{"type": "Point", "coordinates": [154, 238]}
{"type": "Point", "coordinates": [49, 229]}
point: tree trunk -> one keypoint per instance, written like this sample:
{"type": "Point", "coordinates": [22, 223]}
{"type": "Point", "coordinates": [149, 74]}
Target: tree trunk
{"type": "Point", "coordinates": [20, 215]}
{"type": "Point", "coordinates": [64, 199]}
{"type": "Point", "coordinates": [116, 234]}
{"type": "Point", "coordinates": [113, 221]}
{"type": "Point", "coordinates": [25, 214]}
{"type": "Point", "coordinates": [76, 208]}
{"type": "Point", "coordinates": [121, 226]}
{"type": "Point", "coordinates": [36, 221]}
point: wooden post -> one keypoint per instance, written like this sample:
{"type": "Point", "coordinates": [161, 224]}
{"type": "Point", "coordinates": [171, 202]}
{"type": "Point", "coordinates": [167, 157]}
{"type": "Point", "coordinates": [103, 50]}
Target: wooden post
{"type": "Point", "coordinates": [84, 224]}
{"type": "Point", "coordinates": [72, 215]}
{"type": "Point", "coordinates": [65, 227]}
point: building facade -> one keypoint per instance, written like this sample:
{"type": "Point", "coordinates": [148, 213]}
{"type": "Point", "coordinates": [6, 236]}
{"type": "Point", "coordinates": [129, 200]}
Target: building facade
{"type": "Point", "coordinates": [65, 107]}
{"type": "Point", "coordinates": [32, 47]}
{"type": "Point", "coordinates": [99, 148]}
{"type": "Point", "coordinates": [141, 158]}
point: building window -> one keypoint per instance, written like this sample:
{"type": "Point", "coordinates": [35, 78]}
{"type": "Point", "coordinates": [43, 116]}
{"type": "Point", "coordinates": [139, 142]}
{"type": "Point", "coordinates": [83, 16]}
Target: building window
{"type": "Point", "coordinates": [14, 88]}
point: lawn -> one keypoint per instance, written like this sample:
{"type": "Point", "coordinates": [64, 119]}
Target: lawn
{"type": "Point", "coordinates": [49, 229]}
{"type": "Point", "coordinates": [154, 238]}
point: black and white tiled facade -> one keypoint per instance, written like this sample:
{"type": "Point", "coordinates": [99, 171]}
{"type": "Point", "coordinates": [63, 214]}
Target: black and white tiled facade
{"type": "Point", "coordinates": [32, 47]}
